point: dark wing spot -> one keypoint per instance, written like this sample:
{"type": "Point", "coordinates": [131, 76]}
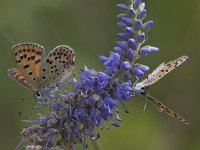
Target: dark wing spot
{"type": "Point", "coordinates": [26, 66]}
{"type": "Point", "coordinates": [160, 75]}
{"type": "Point", "coordinates": [38, 53]}
{"type": "Point", "coordinates": [43, 77]}
{"type": "Point", "coordinates": [20, 51]}
{"type": "Point", "coordinates": [167, 70]}
{"type": "Point", "coordinates": [44, 70]}
{"type": "Point", "coordinates": [32, 57]}
{"type": "Point", "coordinates": [33, 79]}
{"type": "Point", "coordinates": [33, 50]}
{"type": "Point", "coordinates": [15, 54]}
{"type": "Point", "coordinates": [28, 50]}
{"type": "Point", "coordinates": [169, 65]}
{"type": "Point", "coordinates": [50, 62]}
{"type": "Point", "coordinates": [30, 73]}
{"type": "Point", "coordinates": [37, 61]}
{"type": "Point", "coordinates": [24, 55]}
{"type": "Point", "coordinates": [21, 57]}
{"type": "Point", "coordinates": [29, 58]}
{"type": "Point", "coordinates": [47, 60]}
{"type": "Point", "coordinates": [57, 73]}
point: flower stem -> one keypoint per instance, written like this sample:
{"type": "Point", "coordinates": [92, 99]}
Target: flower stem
{"type": "Point", "coordinates": [96, 145]}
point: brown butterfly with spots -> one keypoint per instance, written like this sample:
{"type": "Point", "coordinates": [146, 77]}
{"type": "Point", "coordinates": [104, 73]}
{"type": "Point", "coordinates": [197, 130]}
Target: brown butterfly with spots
{"type": "Point", "coordinates": [38, 73]}
{"type": "Point", "coordinates": [156, 75]}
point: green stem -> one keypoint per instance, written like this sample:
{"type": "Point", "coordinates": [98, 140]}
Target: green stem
{"type": "Point", "coordinates": [96, 145]}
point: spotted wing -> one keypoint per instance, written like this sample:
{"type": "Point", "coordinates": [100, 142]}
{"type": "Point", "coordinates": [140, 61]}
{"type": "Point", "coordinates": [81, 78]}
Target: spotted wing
{"type": "Point", "coordinates": [162, 70]}
{"type": "Point", "coordinates": [57, 66]}
{"type": "Point", "coordinates": [28, 57]}
{"type": "Point", "coordinates": [160, 106]}
{"type": "Point", "coordinates": [16, 75]}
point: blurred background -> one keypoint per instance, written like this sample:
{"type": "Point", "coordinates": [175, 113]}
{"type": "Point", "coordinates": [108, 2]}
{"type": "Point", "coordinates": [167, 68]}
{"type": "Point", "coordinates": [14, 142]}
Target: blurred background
{"type": "Point", "coordinates": [88, 26]}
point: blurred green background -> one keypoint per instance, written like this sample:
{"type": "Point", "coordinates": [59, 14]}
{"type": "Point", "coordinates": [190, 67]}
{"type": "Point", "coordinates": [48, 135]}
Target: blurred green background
{"type": "Point", "coordinates": [89, 27]}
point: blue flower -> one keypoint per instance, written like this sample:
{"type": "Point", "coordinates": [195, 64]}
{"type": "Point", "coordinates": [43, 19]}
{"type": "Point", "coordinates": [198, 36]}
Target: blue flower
{"type": "Point", "coordinates": [102, 80]}
{"type": "Point", "coordinates": [112, 62]}
{"type": "Point", "coordinates": [124, 91]}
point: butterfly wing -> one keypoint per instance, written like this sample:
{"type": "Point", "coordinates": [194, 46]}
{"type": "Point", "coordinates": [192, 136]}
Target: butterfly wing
{"type": "Point", "coordinates": [57, 66]}
{"type": "Point", "coordinates": [145, 82]}
{"type": "Point", "coordinates": [162, 70]}
{"type": "Point", "coordinates": [160, 106]}
{"type": "Point", "coordinates": [28, 57]}
{"type": "Point", "coordinates": [16, 75]}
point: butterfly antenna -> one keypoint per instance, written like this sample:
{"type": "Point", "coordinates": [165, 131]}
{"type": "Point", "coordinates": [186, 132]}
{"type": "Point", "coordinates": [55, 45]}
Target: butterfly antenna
{"type": "Point", "coordinates": [136, 81]}
{"type": "Point", "coordinates": [21, 144]}
{"type": "Point", "coordinates": [24, 101]}
{"type": "Point", "coordinates": [8, 37]}
{"type": "Point", "coordinates": [145, 104]}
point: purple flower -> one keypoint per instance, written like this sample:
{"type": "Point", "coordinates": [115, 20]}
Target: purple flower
{"type": "Point", "coordinates": [121, 15]}
{"type": "Point", "coordinates": [124, 91]}
{"type": "Point", "coordinates": [147, 25]}
{"type": "Point", "coordinates": [131, 53]}
{"type": "Point", "coordinates": [130, 30]}
{"type": "Point", "coordinates": [142, 14]}
{"type": "Point", "coordinates": [102, 80]}
{"type": "Point", "coordinates": [137, 72]}
{"type": "Point", "coordinates": [113, 61]}
{"type": "Point", "coordinates": [138, 24]}
{"type": "Point", "coordinates": [131, 11]}
{"type": "Point", "coordinates": [148, 50]}
{"type": "Point", "coordinates": [123, 35]}
{"type": "Point", "coordinates": [137, 2]}
{"type": "Point", "coordinates": [122, 6]}
{"type": "Point", "coordinates": [125, 66]}
{"type": "Point", "coordinates": [103, 58]}
{"type": "Point", "coordinates": [121, 24]}
{"type": "Point", "coordinates": [141, 37]}
{"type": "Point", "coordinates": [119, 50]}
{"type": "Point", "coordinates": [122, 44]}
{"type": "Point", "coordinates": [132, 42]}
{"type": "Point", "coordinates": [143, 67]}
{"type": "Point", "coordinates": [126, 20]}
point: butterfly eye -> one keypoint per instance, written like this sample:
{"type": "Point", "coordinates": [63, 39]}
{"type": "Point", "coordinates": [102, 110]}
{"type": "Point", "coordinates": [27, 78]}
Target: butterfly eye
{"type": "Point", "coordinates": [38, 95]}
{"type": "Point", "coordinates": [143, 90]}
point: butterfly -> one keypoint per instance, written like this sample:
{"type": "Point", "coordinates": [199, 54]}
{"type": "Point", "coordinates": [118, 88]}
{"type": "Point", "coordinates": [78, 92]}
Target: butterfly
{"type": "Point", "coordinates": [156, 75]}
{"type": "Point", "coordinates": [37, 72]}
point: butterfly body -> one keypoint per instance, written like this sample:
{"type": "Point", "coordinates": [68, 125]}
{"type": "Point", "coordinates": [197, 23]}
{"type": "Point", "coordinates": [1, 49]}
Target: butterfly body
{"type": "Point", "coordinates": [37, 72]}
{"type": "Point", "coordinates": [157, 74]}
